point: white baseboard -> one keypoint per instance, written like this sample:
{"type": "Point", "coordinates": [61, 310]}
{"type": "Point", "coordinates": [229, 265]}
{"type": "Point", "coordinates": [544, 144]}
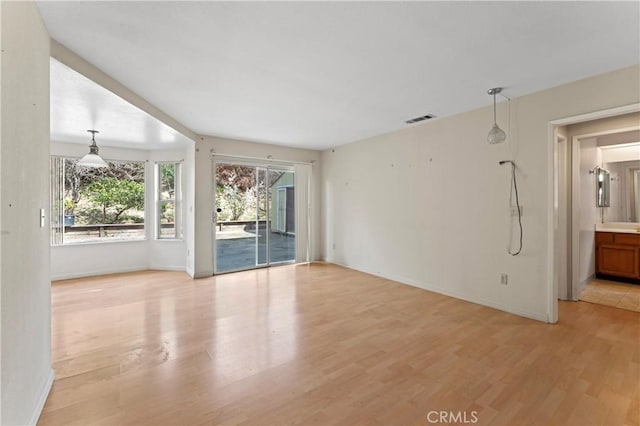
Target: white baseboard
{"type": "Point", "coordinates": [42, 399]}
{"type": "Point", "coordinates": [58, 277]}
{"type": "Point", "coordinates": [168, 268]}
{"type": "Point", "coordinates": [527, 314]}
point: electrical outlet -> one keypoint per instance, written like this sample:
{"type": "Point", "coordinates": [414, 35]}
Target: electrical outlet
{"type": "Point", "coordinates": [334, 246]}
{"type": "Point", "coordinates": [514, 211]}
{"type": "Point", "coordinates": [504, 279]}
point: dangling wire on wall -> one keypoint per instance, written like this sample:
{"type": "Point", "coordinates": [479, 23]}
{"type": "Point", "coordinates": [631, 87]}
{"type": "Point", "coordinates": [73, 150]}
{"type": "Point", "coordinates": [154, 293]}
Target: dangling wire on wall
{"type": "Point", "coordinates": [514, 182]}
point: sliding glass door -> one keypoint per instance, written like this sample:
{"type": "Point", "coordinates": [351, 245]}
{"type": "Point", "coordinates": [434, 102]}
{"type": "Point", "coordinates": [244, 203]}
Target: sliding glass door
{"type": "Point", "coordinates": [254, 217]}
{"type": "Point", "coordinates": [282, 247]}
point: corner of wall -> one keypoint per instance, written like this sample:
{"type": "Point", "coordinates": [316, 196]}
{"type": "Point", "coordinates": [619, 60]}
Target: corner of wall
{"type": "Point", "coordinates": [42, 399]}
{"type": "Point", "coordinates": [25, 293]}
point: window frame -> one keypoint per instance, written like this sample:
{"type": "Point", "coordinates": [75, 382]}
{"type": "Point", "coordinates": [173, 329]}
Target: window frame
{"type": "Point", "coordinates": [177, 200]}
{"type": "Point", "coordinates": [61, 214]}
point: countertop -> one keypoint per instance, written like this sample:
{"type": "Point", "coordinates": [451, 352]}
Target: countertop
{"type": "Point", "coordinates": [619, 227]}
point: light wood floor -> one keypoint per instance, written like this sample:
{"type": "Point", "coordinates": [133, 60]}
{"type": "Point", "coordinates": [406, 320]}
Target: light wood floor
{"type": "Point", "coordinates": [612, 293]}
{"type": "Point", "coordinates": [320, 344]}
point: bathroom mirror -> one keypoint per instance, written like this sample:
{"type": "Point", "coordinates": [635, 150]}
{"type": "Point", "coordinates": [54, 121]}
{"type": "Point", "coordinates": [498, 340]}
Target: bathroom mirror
{"type": "Point", "coordinates": [624, 191]}
{"type": "Point", "coordinates": [602, 187]}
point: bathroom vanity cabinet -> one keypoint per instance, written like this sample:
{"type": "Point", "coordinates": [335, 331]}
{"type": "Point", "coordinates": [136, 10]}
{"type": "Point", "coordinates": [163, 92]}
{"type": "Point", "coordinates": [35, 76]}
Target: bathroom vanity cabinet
{"type": "Point", "coordinates": [618, 254]}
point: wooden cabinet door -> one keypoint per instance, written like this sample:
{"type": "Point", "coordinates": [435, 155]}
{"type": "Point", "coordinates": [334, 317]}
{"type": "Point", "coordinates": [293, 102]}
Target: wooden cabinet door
{"type": "Point", "coordinates": [618, 260]}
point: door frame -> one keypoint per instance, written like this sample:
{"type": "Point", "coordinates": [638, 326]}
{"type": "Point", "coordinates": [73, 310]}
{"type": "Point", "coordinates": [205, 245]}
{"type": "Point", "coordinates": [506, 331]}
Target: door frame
{"type": "Point", "coordinates": [553, 232]}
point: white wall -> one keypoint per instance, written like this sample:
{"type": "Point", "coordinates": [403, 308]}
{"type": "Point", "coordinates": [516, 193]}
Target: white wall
{"type": "Point", "coordinates": [203, 261]}
{"type": "Point", "coordinates": [589, 213]}
{"type": "Point", "coordinates": [429, 205]}
{"type": "Point", "coordinates": [189, 186]}
{"type": "Point", "coordinates": [25, 365]}
{"type": "Point", "coordinates": [79, 260]}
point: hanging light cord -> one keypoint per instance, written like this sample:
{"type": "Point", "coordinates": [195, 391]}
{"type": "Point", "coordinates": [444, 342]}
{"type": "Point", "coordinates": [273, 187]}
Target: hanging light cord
{"type": "Point", "coordinates": [515, 188]}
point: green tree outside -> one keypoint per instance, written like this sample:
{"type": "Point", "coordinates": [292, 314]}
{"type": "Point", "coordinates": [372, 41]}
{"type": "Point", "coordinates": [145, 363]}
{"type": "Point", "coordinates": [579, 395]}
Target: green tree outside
{"type": "Point", "coordinates": [115, 197]}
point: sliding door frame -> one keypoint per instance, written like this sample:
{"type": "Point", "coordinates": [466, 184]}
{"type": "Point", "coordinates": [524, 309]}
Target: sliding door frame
{"type": "Point", "coordinates": [267, 166]}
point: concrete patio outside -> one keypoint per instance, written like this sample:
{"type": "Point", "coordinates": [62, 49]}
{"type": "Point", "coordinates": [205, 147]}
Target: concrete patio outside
{"type": "Point", "coordinates": [236, 249]}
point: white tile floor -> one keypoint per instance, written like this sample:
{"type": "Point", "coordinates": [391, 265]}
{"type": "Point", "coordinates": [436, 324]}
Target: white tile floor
{"type": "Point", "coordinates": [612, 293]}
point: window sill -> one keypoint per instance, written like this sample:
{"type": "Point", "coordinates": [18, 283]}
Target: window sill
{"type": "Point", "coordinates": [86, 243]}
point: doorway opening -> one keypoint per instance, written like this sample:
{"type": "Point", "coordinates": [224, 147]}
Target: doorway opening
{"type": "Point", "coordinates": [583, 145]}
{"type": "Point", "coordinates": [254, 217]}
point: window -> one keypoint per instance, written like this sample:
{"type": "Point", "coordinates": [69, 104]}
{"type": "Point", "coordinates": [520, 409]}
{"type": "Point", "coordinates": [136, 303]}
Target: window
{"type": "Point", "coordinates": [168, 200]}
{"type": "Point", "coordinates": [96, 204]}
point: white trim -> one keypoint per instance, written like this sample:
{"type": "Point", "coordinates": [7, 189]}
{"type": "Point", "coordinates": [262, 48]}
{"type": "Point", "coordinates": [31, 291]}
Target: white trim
{"type": "Point", "coordinates": [177, 201]}
{"type": "Point", "coordinates": [561, 205]}
{"type": "Point", "coordinates": [435, 289]}
{"type": "Point", "coordinates": [552, 290]}
{"type": "Point", "coordinates": [167, 268]}
{"type": "Point", "coordinates": [99, 272]}
{"type": "Point", "coordinates": [590, 116]}
{"type": "Point", "coordinates": [610, 132]}
{"type": "Point", "coordinates": [107, 241]}
{"type": "Point", "coordinates": [42, 399]}
{"type": "Point", "coordinates": [121, 271]}
{"type": "Point", "coordinates": [576, 199]}
{"type": "Point", "coordinates": [552, 285]}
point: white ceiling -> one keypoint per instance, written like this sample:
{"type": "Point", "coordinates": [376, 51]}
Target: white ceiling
{"type": "Point", "coordinates": [79, 104]}
{"type": "Point", "coordinates": [320, 74]}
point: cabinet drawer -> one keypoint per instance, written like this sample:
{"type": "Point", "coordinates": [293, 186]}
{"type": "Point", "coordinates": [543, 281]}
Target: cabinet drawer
{"type": "Point", "coordinates": [618, 260]}
{"type": "Point", "coordinates": [604, 237]}
{"type": "Point", "coordinates": [630, 239]}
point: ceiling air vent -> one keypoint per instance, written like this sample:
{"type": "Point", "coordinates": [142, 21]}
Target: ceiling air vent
{"type": "Point", "coordinates": [424, 117]}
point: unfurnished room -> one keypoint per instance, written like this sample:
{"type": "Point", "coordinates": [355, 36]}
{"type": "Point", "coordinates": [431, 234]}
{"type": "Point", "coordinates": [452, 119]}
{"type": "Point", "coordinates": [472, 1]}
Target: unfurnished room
{"type": "Point", "coordinates": [328, 213]}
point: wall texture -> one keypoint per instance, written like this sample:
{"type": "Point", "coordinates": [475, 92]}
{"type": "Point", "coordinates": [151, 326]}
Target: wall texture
{"type": "Point", "coordinates": [25, 292]}
{"type": "Point", "coordinates": [429, 205]}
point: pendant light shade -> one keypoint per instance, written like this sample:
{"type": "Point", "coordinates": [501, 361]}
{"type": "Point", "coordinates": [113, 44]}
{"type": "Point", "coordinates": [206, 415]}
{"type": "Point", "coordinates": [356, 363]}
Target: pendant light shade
{"type": "Point", "coordinates": [496, 134]}
{"type": "Point", "coordinates": [92, 159]}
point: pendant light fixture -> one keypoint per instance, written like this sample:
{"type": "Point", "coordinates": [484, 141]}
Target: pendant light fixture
{"type": "Point", "coordinates": [496, 134]}
{"type": "Point", "coordinates": [92, 159]}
